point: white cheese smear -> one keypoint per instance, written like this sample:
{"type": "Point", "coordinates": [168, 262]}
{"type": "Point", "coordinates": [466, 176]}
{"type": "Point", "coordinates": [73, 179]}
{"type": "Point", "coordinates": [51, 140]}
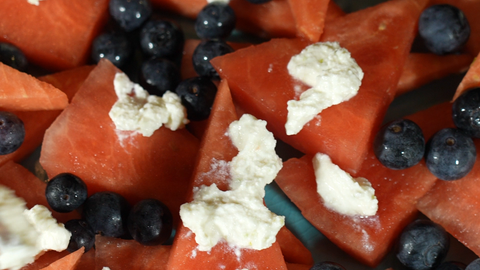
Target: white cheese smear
{"type": "Point", "coordinates": [341, 192]}
{"type": "Point", "coordinates": [136, 110]}
{"type": "Point", "coordinates": [34, 2]}
{"type": "Point", "coordinates": [26, 233]}
{"type": "Point", "coordinates": [333, 75]}
{"type": "Point", "coordinates": [239, 216]}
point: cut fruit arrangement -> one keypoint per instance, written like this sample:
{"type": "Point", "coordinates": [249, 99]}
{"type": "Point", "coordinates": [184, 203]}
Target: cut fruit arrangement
{"type": "Point", "coordinates": [94, 127]}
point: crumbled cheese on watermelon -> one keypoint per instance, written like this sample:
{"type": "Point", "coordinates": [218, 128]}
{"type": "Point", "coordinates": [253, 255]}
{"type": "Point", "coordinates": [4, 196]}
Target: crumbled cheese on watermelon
{"type": "Point", "coordinates": [332, 73]}
{"type": "Point", "coordinates": [238, 216]}
{"type": "Point", "coordinates": [341, 192]}
{"type": "Point", "coordinates": [26, 233]}
{"type": "Point", "coordinates": [136, 110]}
{"type": "Point", "coordinates": [34, 2]}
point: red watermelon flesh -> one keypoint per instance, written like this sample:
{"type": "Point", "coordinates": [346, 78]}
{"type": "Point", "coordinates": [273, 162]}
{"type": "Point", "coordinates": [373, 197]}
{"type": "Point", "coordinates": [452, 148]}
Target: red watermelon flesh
{"type": "Point", "coordinates": [83, 141]}
{"type": "Point", "coordinates": [309, 17]}
{"type": "Point", "coordinates": [216, 147]}
{"type": "Point", "coordinates": [56, 34]}
{"type": "Point", "coordinates": [422, 68]}
{"type": "Point", "coordinates": [334, 11]}
{"type": "Point", "coordinates": [293, 249]}
{"type": "Point", "coordinates": [45, 259]}
{"type": "Point", "coordinates": [367, 239]}
{"type": "Point", "coordinates": [471, 79]}
{"type": "Point", "coordinates": [87, 261]}
{"type": "Point", "coordinates": [379, 38]}
{"type": "Point", "coordinates": [21, 92]}
{"type": "Point", "coordinates": [118, 253]}
{"type": "Point", "coordinates": [68, 262]}
{"type": "Point", "coordinates": [36, 122]}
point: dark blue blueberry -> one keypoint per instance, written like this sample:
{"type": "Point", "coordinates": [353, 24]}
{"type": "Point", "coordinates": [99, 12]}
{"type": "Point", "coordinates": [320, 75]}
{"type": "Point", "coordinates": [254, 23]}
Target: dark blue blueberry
{"type": "Point", "coordinates": [474, 265]}
{"type": "Point", "coordinates": [206, 51]}
{"type": "Point", "coordinates": [12, 56]}
{"type": "Point", "coordinates": [12, 133]}
{"type": "Point", "coordinates": [107, 213]}
{"type": "Point", "coordinates": [444, 28]}
{"type": "Point", "coordinates": [450, 154]}
{"type": "Point", "coordinates": [130, 14]}
{"type": "Point", "coordinates": [114, 46]}
{"type": "Point", "coordinates": [162, 38]}
{"type": "Point", "coordinates": [327, 266]}
{"type": "Point", "coordinates": [450, 265]}
{"type": "Point", "coordinates": [197, 94]}
{"type": "Point", "coordinates": [159, 75]}
{"type": "Point", "coordinates": [65, 192]}
{"type": "Point", "coordinates": [466, 112]}
{"type": "Point", "coordinates": [215, 20]}
{"type": "Point", "coordinates": [82, 235]}
{"type": "Point", "coordinates": [258, 1]}
{"type": "Point", "coordinates": [399, 144]}
{"type": "Point", "coordinates": [422, 245]}
{"type": "Point", "coordinates": [150, 222]}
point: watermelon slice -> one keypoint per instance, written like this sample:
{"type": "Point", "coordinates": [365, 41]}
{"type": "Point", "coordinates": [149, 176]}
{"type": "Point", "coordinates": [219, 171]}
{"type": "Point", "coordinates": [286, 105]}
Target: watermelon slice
{"type": "Point", "coordinates": [367, 239]}
{"type": "Point", "coordinates": [292, 248]}
{"type": "Point", "coordinates": [129, 254]}
{"type": "Point", "coordinates": [422, 68]}
{"type": "Point", "coordinates": [57, 33]}
{"type": "Point", "coordinates": [442, 203]}
{"type": "Point", "coordinates": [471, 79]}
{"type": "Point", "coordinates": [22, 92]}
{"type": "Point", "coordinates": [379, 38]}
{"type": "Point", "coordinates": [83, 141]}
{"type": "Point", "coordinates": [309, 17]}
{"type": "Point", "coordinates": [216, 146]}
{"type": "Point", "coordinates": [68, 262]}
{"type": "Point", "coordinates": [36, 122]}
{"type": "Point", "coordinates": [45, 259]}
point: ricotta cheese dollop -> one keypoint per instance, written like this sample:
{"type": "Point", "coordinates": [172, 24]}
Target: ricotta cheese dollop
{"type": "Point", "coordinates": [341, 192]}
{"type": "Point", "coordinates": [34, 2]}
{"type": "Point", "coordinates": [136, 110]}
{"type": "Point", "coordinates": [26, 233]}
{"type": "Point", "coordinates": [238, 216]}
{"type": "Point", "coordinates": [333, 75]}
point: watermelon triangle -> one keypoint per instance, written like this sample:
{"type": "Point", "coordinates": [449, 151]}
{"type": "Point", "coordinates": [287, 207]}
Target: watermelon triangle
{"type": "Point", "coordinates": [422, 68]}
{"type": "Point", "coordinates": [366, 239]}
{"type": "Point", "coordinates": [20, 91]}
{"type": "Point", "coordinates": [293, 249]}
{"type": "Point", "coordinates": [45, 260]}
{"type": "Point", "coordinates": [309, 17]}
{"type": "Point", "coordinates": [68, 262]}
{"type": "Point", "coordinates": [216, 148]}
{"type": "Point", "coordinates": [379, 38]}
{"type": "Point", "coordinates": [471, 79]}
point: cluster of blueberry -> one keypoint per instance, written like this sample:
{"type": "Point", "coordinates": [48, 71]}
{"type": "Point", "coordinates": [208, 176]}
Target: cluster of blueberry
{"type": "Point", "coordinates": [450, 154]}
{"type": "Point", "coordinates": [149, 221]}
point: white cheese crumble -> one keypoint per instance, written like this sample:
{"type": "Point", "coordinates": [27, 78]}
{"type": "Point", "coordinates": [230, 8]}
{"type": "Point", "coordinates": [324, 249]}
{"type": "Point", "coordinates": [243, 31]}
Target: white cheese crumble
{"type": "Point", "coordinates": [26, 233]}
{"type": "Point", "coordinates": [333, 75]}
{"type": "Point", "coordinates": [136, 110]}
{"type": "Point", "coordinates": [34, 2]}
{"type": "Point", "coordinates": [341, 192]}
{"type": "Point", "coordinates": [219, 1]}
{"type": "Point", "coordinates": [239, 216]}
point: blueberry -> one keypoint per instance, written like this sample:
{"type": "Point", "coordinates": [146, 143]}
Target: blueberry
{"type": "Point", "coordinates": [215, 20]}
{"type": "Point", "coordinates": [399, 144]}
{"type": "Point", "coordinates": [197, 94]}
{"type": "Point", "coordinates": [450, 265]}
{"type": "Point", "coordinates": [206, 51]}
{"type": "Point", "coordinates": [130, 14]}
{"type": "Point", "coordinates": [82, 235]}
{"type": "Point", "coordinates": [474, 265]}
{"type": "Point", "coordinates": [12, 133]}
{"type": "Point", "coordinates": [466, 112]}
{"type": "Point", "coordinates": [327, 266]}
{"type": "Point", "coordinates": [444, 28]}
{"type": "Point", "coordinates": [12, 56]}
{"type": "Point", "coordinates": [450, 154]}
{"type": "Point", "coordinates": [422, 245]}
{"type": "Point", "coordinates": [114, 46]}
{"type": "Point", "coordinates": [107, 213]}
{"type": "Point", "coordinates": [162, 38]}
{"type": "Point", "coordinates": [150, 222]}
{"type": "Point", "coordinates": [258, 1]}
{"type": "Point", "coordinates": [159, 75]}
{"type": "Point", "coordinates": [65, 192]}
